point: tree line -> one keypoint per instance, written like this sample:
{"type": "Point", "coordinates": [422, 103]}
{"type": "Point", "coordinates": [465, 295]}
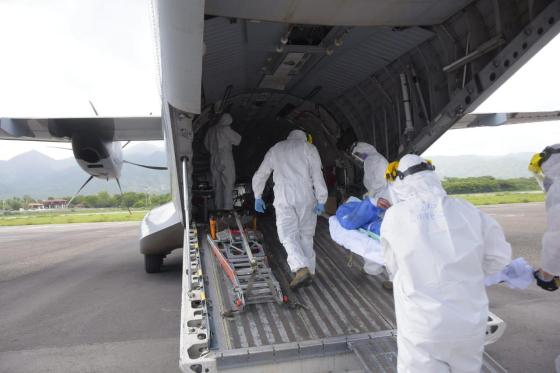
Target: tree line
{"type": "Point", "coordinates": [453, 185]}
{"type": "Point", "coordinates": [99, 200]}
{"type": "Point", "coordinates": [488, 184]}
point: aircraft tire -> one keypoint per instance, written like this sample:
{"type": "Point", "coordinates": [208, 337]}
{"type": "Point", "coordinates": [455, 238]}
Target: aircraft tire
{"type": "Point", "coordinates": [153, 263]}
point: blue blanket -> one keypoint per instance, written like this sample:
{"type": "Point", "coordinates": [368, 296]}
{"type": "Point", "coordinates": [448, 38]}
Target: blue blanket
{"type": "Point", "coordinates": [360, 214]}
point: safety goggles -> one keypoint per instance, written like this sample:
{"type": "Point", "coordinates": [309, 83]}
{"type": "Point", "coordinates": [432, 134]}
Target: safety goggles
{"type": "Point", "coordinates": [539, 158]}
{"type": "Point", "coordinates": [392, 172]}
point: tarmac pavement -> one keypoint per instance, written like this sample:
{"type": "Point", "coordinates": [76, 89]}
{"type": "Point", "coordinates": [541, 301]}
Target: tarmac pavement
{"type": "Point", "coordinates": [531, 342]}
{"type": "Point", "coordinates": [75, 298]}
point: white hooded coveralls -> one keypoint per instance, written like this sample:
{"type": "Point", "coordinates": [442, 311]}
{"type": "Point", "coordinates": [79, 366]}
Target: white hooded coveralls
{"type": "Point", "coordinates": [218, 141]}
{"type": "Point", "coordinates": [438, 251]}
{"type": "Point", "coordinates": [374, 172]}
{"type": "Point", "coordinates": [374, 181]}
{"type": "Point", "coordinates": [550, 256]}
{"type": "Point", "coordinates": [298, 187]}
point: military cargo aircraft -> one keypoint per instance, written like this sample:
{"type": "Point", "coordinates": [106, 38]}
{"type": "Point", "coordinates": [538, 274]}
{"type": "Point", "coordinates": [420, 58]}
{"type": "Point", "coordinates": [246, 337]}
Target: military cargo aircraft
{"type": "Point", "coordinates": [397, 74]}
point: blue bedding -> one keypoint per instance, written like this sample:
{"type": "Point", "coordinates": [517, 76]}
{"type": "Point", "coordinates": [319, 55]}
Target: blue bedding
{"type": "Point", "coordinates": [357, 214]}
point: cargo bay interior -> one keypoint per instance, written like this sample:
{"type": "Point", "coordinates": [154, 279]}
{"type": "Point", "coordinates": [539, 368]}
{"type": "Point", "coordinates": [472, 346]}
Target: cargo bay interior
{"type": "Point", "coordinates": [396, 87]}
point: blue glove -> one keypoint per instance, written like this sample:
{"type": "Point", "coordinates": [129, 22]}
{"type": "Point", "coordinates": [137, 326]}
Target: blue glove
{"type": "Point", "coordinates": [259, 205]}
{"type": "Point", "coordinates": [319, 208]}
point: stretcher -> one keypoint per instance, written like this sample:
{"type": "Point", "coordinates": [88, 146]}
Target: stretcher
{"type": "Point", "coordinates": [362, 243]}
{"type": "Point", "coordinates": [517, 275]}
{"type": "Point", "coordinates": [240, 254]}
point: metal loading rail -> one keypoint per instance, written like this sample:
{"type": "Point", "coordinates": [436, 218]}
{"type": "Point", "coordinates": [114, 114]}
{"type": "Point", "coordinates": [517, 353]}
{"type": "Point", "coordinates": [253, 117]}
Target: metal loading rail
{"type": "Point", "coordinates": [240, 254]}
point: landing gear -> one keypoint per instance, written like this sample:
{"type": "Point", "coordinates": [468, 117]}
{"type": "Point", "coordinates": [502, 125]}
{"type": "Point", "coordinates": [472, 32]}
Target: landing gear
{"type": "Point", "coordinates": [153, 263]}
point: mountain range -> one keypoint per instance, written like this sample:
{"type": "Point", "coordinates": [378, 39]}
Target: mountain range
{"type": "Point", "coordinates": [35, 174]}
{"type": "Point", "coordinates": [39, 176]}
{"type": "Point", "coordinates": [501, 167]}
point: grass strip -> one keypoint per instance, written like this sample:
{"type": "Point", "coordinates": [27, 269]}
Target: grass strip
{"type": "Point", "coordinates": [36, 219]}
{"type": "Point", "coordinates": [501, 198]}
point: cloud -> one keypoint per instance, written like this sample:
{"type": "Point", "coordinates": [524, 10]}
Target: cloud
{"type": "Point", "coordinates": [515, 138]}
{"type": "Point", "coordinates": [61, 54]}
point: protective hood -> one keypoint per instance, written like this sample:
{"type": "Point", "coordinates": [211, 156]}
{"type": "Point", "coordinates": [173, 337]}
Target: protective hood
{"type": "Point", "coordinates": [297, 135]}
{"type": "Point", "coordinates": [551, 167]}
{"type": "Point", "coordinates": [374, 170]}
{"type": "Point", "coordinates": [364, 148]}
{"type": "Point", "coordinates": [424, 184]}
{"type": "Point", "coordinates": [225, 120]}
{"type": "Point", "coordinates": [550, 255]}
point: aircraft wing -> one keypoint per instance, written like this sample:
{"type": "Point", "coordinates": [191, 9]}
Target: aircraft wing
{"type": "Point", "coordinates": [498, 119]}
{"type": "Point", "coordinates": [61, 129]}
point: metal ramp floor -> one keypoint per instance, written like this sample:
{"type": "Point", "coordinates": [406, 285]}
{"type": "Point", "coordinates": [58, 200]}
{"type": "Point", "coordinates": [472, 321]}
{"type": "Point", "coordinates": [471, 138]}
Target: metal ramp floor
{"type": "Point", "coordinates": [342, 300]}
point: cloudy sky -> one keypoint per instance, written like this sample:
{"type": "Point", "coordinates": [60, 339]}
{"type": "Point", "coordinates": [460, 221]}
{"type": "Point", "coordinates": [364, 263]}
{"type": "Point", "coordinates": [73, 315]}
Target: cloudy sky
{"type": "Point", "coordinates": [60, 54]}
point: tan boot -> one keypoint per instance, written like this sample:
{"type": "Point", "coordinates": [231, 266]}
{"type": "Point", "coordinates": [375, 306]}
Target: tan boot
{"type": "Point", "coordinates": [300, 278]}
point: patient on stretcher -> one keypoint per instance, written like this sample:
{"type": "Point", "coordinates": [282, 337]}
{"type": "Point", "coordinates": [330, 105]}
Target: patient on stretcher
{"type": "Point", "coordinates": [356, 227]}
{"type": "Point", "coordinates": [360, 214]}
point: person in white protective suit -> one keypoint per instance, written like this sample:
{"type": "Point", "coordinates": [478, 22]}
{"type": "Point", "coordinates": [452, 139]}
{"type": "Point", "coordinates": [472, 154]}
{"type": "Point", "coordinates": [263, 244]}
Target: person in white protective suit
{"type": "Point", "coordinates": [374, 173]}
{"type": "Point", "coordinates": [546, 168]}
{"type": "Point", "coordinates": [300, 194]}
{"type": "Point", "coordinates": [438, 251]}
{"type": "Point", "coordinates": [374, 165]}
{"type": "Point", "coordinates": [218, 141]}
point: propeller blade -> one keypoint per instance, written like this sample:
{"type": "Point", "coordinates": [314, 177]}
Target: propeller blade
{"type": "Point", "coordinates": [122, 195]}
{"type": "Point", "coordinates": [146, 166]}
{"type": "Point", "coordinates": [128, 142]}
{"type": "Point", "coordinates": [79, 190]}
{"type": "Point", "coordinates": [60, 147]}
{"type": "Point", "coordinates": [93, 107]}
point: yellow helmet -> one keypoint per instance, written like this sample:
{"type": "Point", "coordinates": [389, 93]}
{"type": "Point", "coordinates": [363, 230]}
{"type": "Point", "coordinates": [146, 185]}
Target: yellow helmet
{"type": "Point", "coordinates": [392, 172]}
{"type": "Point", "coordinates": [535, 163]}
{"type": "Point", "coordinates": [539, 158]}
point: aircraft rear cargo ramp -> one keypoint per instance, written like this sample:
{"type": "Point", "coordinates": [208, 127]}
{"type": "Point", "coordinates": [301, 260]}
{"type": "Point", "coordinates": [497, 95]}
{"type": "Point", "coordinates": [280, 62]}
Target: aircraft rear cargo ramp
{"type": "Point", "coordinates": [344, 321]}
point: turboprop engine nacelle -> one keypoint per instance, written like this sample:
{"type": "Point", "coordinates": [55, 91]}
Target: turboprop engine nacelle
{"type": "Point", "coordinates": [99, 158]}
